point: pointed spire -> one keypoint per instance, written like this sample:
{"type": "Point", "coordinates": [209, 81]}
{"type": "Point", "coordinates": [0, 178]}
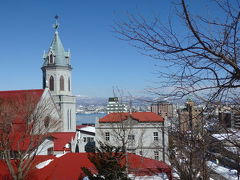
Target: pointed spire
{"type": "Point", "coordinates": [56, 54]}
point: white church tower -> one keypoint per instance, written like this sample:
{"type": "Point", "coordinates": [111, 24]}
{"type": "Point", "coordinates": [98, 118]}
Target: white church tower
{"type": "Point", "coordinates": [57, 77]}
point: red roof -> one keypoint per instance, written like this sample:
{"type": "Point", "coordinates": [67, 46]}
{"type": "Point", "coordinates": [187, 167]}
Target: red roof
{"type": "Point", "coordinates": [142, 166]}
{"type": "Point", "coordinates": [17, 105]}
{"type": "Point", "coordinates": [80, 126]}
{"type": "Point", "coordinates": [139, 116]}
{"type": "Point", "coordinates": [61, 139]}
{"type": "Point", "coordinates": [69, 166]}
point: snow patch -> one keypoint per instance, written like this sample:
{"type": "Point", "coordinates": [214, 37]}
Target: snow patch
{"type": "Point", "coordinates": [43, 164]}
{"type": "Point", "coordinates": [229, 174]}
{"type": "Point", "coordinates": [161, 176]}
{"type": "Point", "coordinates": [59, 155]}
{"type": "Point", "coordinates": [88, 129]}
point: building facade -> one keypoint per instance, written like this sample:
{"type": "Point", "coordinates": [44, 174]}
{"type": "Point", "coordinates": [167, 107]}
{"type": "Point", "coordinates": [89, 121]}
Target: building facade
{"type": "Point", "coordinates": [141, 133]}
{"type": "Point", "coordinates": [86, 138]}
{"type": "Point", "coordinates": [57, 77]}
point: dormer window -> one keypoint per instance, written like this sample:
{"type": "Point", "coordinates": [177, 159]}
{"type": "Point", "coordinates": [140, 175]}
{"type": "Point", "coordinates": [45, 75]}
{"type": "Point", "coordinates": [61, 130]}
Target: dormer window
{"type": "Point", "coordinates": [67, 59]}
{"type": "Point", "coordinates": [51, 59]}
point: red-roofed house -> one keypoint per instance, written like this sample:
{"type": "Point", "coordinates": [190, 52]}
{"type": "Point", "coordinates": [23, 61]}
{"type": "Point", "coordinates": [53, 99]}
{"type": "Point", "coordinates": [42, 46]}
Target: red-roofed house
{"type": "Point", "coordinates": [69, 166]}
{"type": "Point", "coordinates": [141, 133]}
{"type": "Point", "coordinates": [26, 117]}
{"type": "Point", "coordinates": [18, 108]}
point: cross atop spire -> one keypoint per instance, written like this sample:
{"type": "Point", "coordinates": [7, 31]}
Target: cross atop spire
{"type": "Point", "coordinates": [56, 25]}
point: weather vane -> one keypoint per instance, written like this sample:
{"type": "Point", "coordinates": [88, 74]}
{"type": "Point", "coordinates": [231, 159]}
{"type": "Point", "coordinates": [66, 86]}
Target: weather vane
{"type": "Point", "coordinates": [56, 25]}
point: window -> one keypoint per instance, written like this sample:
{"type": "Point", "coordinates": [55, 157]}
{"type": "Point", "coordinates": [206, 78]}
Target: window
{"type": "Point", "coordinates": [155, 136]}
{"type": "Point", "coordinates": [131, 137]}
{"type": "Point", "coordinates": [51, 85]}
{"type": "Point", "coordinates": [69, 85]}
{"type": "Point", "coordinates": [50, 151]}
{"type": "Point", "coordinates": [84, 139]}
{"type": "Point", "coordinates": [51, 59]}
{"type": "Point", "coordinates": [156, 155]}
{"type": "Point", "coordinates": [61, 83]}
{"type": "Point", "coordinates": [46, 121]}
{"type": "Point", "coordinates": [107, 136]}
{"type": "Point", "coordinates": [89, 139]}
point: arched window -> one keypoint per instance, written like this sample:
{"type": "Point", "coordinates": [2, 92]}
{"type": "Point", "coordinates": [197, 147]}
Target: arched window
{"type": "Point", "coordinates": [61, 83]}
{"type": "Point", "coordinates": [51, 84]}
{"type": "Point", "coordinates": [46, 121]}
{"type": "Point", "coordinates": [69, 85]}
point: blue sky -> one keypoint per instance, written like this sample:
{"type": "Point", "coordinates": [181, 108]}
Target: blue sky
{"type": "Point", "coordinates": [100, 60]}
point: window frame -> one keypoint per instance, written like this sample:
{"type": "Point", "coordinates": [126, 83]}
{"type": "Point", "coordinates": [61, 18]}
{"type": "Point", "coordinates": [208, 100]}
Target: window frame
{"type": "Point", "coordinates": [107, 136]}
{"type": "Point", "coordinates": [156, 155]}
{"type": "Point", "coordinates": [155, 136]}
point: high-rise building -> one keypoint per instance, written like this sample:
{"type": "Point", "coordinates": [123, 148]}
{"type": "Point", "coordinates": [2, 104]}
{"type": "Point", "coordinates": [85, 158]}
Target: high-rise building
{"type": "Point", "coordinates": [115, 106]}
{"type": "Point", "coordinates": [57, 77]}
{"type": "Point", "coordinates": [163, 108]}
{"type": "Point", "coordinates": [190, 117]}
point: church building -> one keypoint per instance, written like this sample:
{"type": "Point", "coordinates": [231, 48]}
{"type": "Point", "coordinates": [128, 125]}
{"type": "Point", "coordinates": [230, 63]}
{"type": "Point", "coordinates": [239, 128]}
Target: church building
{"type": "Point", "coordinates": [57, 77]}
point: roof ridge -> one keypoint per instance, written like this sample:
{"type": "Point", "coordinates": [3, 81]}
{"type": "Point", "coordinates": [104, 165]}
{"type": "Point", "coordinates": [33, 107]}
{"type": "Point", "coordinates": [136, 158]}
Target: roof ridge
{"type": "Point", "coordinates": [20, 90]}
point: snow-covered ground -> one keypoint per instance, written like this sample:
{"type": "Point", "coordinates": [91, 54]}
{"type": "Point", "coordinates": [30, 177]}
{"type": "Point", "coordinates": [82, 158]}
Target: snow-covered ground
{"type": "Point", "coordinates": [223, 171]}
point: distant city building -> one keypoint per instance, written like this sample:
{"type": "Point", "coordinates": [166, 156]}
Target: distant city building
{"type": "Point", "coordinates": [190, 117]}
{"type": "Point", "coordinates": [114, 106]}
{"type": "Point", "coordinates": [229, 116]}
{"type": "Point", "coordinates": [163, 108]}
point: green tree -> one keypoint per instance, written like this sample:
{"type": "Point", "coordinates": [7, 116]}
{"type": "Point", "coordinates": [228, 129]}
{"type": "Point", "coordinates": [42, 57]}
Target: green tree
{"type": "Point", "coordinates": [108, 161]}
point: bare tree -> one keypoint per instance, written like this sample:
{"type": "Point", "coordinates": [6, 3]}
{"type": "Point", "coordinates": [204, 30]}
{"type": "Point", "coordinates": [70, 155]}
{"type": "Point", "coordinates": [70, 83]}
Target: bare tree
{"type": "Point", "coordinates": [26, 120]}
{"type": "Point", "coordinates": [202, 61]}
{"type": "Point", "coordinates": [204, 58]}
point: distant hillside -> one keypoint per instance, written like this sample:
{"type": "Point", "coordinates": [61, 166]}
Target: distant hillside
{"type": "Point", "coordinates": [85, 100]}
{"type": "Point", "coordinates": [101, 101]}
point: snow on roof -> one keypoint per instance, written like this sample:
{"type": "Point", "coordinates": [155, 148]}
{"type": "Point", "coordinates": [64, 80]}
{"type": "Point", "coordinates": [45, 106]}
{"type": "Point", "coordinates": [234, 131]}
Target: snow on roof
{"type": "Point", "coordinates": [88, 129]}
{"type": "Point", "coordinates": [220, 137]}
{"type": "Point", "coordinates": [69, 167]}
{"type": "Point", "coordinates": [43, 164]}
{"type": "Point", "coordinates": [227, 136]}
{"type": "Point", "coordinates": [59, 155]}
{"type": "Point", "coordinates": [223, 171]}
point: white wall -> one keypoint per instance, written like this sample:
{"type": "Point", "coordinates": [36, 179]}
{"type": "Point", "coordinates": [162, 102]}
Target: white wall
{"type": "Point", "coordinates": [44, 146]}
{"type": "Point", "coordinates": [80, 138]}
{"type": "Point", "coordinates": [143, 135]}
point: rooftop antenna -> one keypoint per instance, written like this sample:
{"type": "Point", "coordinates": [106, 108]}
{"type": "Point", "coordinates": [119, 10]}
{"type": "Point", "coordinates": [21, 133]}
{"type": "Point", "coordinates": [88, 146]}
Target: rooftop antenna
{"type": "Point", "coordinates": [56, 25]}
